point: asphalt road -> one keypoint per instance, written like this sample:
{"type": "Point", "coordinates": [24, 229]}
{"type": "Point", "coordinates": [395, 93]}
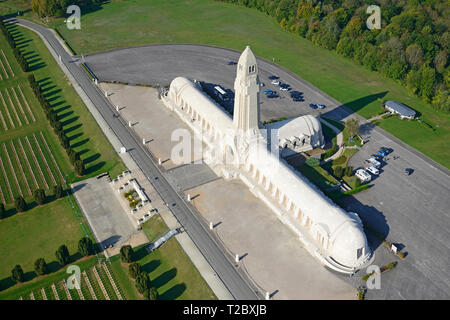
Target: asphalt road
{"type": "Point", "coordinates": [233, 278]}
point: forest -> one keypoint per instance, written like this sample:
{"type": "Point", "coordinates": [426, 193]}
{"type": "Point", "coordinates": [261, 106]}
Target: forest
{"type": "Point", "coordinates": [411, 46]}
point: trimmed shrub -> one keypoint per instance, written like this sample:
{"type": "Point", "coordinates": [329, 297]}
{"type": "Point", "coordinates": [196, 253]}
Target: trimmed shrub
{"type": "Point", "coordinates": [338, 172]}
{"type": "Point", "coordinates": [142, 282]}
{"type": "Point", "coordinates": [40, 266]}
{"type": "Point", "coordinates": [127, 254]}
{"type": "Point", "coordinates": [20, 204]}
{"type": "Point", "coordinates": [348, 171]}
{"type": "Point", "coordinates": [62, 255]}
{"type": "Point", "coordinates": [329, 152]}
{"type": "Point", "coordinates": [17, 274]}
{"type": "Point", "coordinates": [151, 294]}
{"type": "Point", "coordinates": [357, 182]}
{"type": "Point", "coordinates": [85, 246]}
{"type": "Point", "coordinates": [39, 196]}
{"type": "Point", "coordinates": [134, 269]}
{"type": "Point", "coordinates": [357, 189]}
{"type": "Point", "coordinates": [79, 167]}
{"type": "Point", "coordinates": [312, 162]}
{"type": "Point", "coordinates": [58, 191]}
{"type": "Point", "coordinates": [65, 142]}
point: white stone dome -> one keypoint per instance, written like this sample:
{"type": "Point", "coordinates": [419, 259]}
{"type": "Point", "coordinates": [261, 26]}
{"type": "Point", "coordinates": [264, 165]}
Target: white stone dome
{"type": "Point", "coordinates": [350, 246]}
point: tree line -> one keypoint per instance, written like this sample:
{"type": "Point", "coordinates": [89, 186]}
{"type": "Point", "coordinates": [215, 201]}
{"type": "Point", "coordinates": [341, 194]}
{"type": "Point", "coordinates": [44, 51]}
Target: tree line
{"type": "Point", "coordinates": [17, 53]}
{"type": "Point", "coordinates": [57, 8]}
{"type": "Point", "coordinates": [411, 47]}
{"type": "Point", "coordinates": [57, 126]}
{"type": "Point", "coordinates": [85, 248]}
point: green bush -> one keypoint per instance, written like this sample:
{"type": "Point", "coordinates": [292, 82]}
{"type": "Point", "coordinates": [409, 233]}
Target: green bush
{"type": "Point", "coordinates": [20, 204]}
{"type": "Point", "coordinates": [127, 254]}
{"type": "Point", "coordinates": [312, 162]}
{"type": "Point", "coordinates": [85, 246]}
{"type": "Point", "coordinates": [62, 255]}
{"type": "Point", "coordinates": [58, 191]}
{"type": "Point", "coordinates": [341, 160]}
{"type": "Point", "coordinates": [151, 294]}
{"type": "Point", "coordinates": [338, 172]}
{"type": "Point", "coordinates": [39, 196]}
{"type": "Point", "coordinates": [357, 189]}
{"type": "Point", "coordinates": [142, 282]}
{"type": "Point", "coordinates": [134, 269]}
{"type": "Point", "coordinates": [79, 167]}
{"type": "Point", "coordinates": [40, 266]}
{"type": "Point", "coordinates": [329, 152]}
{"type": "Point", "coordinates": [348, 171]}
{"type": "Point", "coordinates": [17, 274]}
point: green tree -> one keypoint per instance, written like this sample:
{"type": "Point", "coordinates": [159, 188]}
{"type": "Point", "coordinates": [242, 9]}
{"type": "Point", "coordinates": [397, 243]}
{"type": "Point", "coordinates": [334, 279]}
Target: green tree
{"type": "Point", "coordinates": [134, 269]}
{"type": "Point", "coordinates": [85, 246]}
{"type": "Point", "coordinates": [413, 80]}
{"type": "Point", "coordinates": [142, 282]}
{"type": "Point", "coordinates": [357, 183]}
{"type": "Point", "coordinates": [427, 82]}
{"type": "Point", "coordinates": [20, 204]}
{"type": "Point", "coordinates": [338, 172]}
{"type": "Point", "coordinates": [39, 196]}
{"type": "Point", "coordinates": [312, 162]}
{"type": "Point", "coordinates": [62, 255]}
{"type": "Point", "coordinates": [126, 254]}
{"type": "Point", "coordinates": [352, 126]}
{"type": "Point", "coordinates": [151, 294]}
{"type": "Point", "coordinates": [17, 274]}
{"type": "Point", "coordinates": [40, 266]}
{"type": "Point", "coordinates": [58, 191]}
{"type": "Point", "coordinates": [79, 167]}
{"type": "Point", "coordinates": [348, 171]}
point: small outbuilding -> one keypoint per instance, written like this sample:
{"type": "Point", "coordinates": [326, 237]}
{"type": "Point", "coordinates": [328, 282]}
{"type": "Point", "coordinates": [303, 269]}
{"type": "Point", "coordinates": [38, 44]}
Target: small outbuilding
{"type": "Point", "coordinates": [403, 111]}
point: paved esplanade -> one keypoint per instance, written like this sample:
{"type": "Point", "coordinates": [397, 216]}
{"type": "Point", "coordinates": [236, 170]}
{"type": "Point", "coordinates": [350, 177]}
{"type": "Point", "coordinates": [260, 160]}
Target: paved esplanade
{"type": "Point", "coordinates": [235, 282]}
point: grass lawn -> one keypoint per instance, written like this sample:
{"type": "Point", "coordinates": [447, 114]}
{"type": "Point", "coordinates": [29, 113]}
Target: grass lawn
{"type": "Point", "coordinates": [37, 233]}
{"type": "Point", "coordinates": [317, 175]}
{"type": "Point", "coordinates": [170, 269]}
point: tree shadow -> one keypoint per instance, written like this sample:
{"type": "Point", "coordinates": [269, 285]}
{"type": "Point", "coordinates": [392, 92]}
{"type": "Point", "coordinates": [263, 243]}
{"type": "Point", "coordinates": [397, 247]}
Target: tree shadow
{"type": "Point", "coordinates": [95, 167]}
{"type": "Point", "coordinates": [44, 87]}
{"type": "Point", "coordinates": [340, 113]}
{"type": "Point", "coordinates": [91, 158]}
{"type": "Point", "coordinates": [80, 143]}
{"type": "Point", "coordinates": [72, 128]}
{"type": "Point", "coordinates": [174, 292]}
{"type": "Point", "coordinates": [164, 278]}
{"type": "Point", "coordinates": [37, 66]}
{"type": "Point", "coordinates": [54, 105]}
{"type": "Point", "coordinates": [52, 93]}
{"type": "Point", "coordinates": [151, 266]}
{"type": "Point", "coordinates": [140, 253]}
{"type": "Point", "coordinates": [80, 153]}
{"type": "Point", "coordinates": [69, 121]}
{"type": "Point", "coordinates": [64, 115]}
{"type": "Point", "coordinates": [6, 283]}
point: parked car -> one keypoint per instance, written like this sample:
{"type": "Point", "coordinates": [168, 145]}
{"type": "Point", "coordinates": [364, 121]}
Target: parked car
{"type": "Point", "coordinates": [275, 82]}
{"type": "Point", "coordinates": [261, 84]}
{"type": "Point", "coordinates": [321, 106]}
{"type": "Point", "coordinates": [386, 150]}
{"type": "Point", "coordinates": [284, 88]}
{"type": "Point", "coordinates": [377, 157]}
{"type": "Point", "coordinates": [373, 170]}
{"type": "Point", "coordinates": [382, 153]}
{"type": "Point", "coordinates": [268, 91]}
{"type": "Point", "coordinates": [273, 77]}
{"type": "Point", "coordinates": [294, 93]}
{"type": "Point", "coordinates": [408, 171]}
{"type": "Point", "coordinates": [313, 106]}
{"type": "Point", "coordinates": [272, 95]}
{"type": "Point", "coordinates": [230, 63]}
{"type": "Point", "coordinates": [298, 99]}
{"type": "Point", "coordinates": [374, 162]}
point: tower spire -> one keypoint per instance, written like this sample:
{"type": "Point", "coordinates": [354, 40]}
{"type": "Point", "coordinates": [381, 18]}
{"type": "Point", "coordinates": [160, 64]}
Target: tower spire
{"type": "Point", "coordinates": [246, 88]}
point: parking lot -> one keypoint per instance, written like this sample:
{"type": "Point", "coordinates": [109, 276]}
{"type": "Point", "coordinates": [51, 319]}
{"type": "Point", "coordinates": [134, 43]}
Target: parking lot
{"type": "Point", "coordinates": [144, 65]}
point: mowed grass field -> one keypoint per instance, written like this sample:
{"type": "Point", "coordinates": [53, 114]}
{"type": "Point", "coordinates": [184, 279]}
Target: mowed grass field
{"type": "Point", "coordinates": [137, 22]}
{"type": "Point", "coordinates": [31, 157]}
{"type": "Point", "coordinates": [170, 269]}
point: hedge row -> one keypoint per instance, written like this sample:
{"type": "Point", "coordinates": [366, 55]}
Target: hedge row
{"type": "Point", "coordinates": [57, 126]}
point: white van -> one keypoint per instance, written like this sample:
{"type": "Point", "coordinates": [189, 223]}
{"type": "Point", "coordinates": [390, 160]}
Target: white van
{"type": "Point", "coordinates": [362, 175]}
{"type": "Point", "coordinates": [374, 162]}
{"type": "Point", "coordinates": [373, 170]}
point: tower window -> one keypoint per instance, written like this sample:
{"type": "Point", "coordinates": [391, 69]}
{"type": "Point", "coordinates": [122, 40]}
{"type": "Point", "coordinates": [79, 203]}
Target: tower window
{"type": "Point", "coordinates": [249, 69]}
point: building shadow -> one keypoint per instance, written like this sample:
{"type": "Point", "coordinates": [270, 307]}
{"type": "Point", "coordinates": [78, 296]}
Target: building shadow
{"type": "Point", "coordinates": [78, 187]}
{"type": "Point", "coordinates": [108, 242]}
